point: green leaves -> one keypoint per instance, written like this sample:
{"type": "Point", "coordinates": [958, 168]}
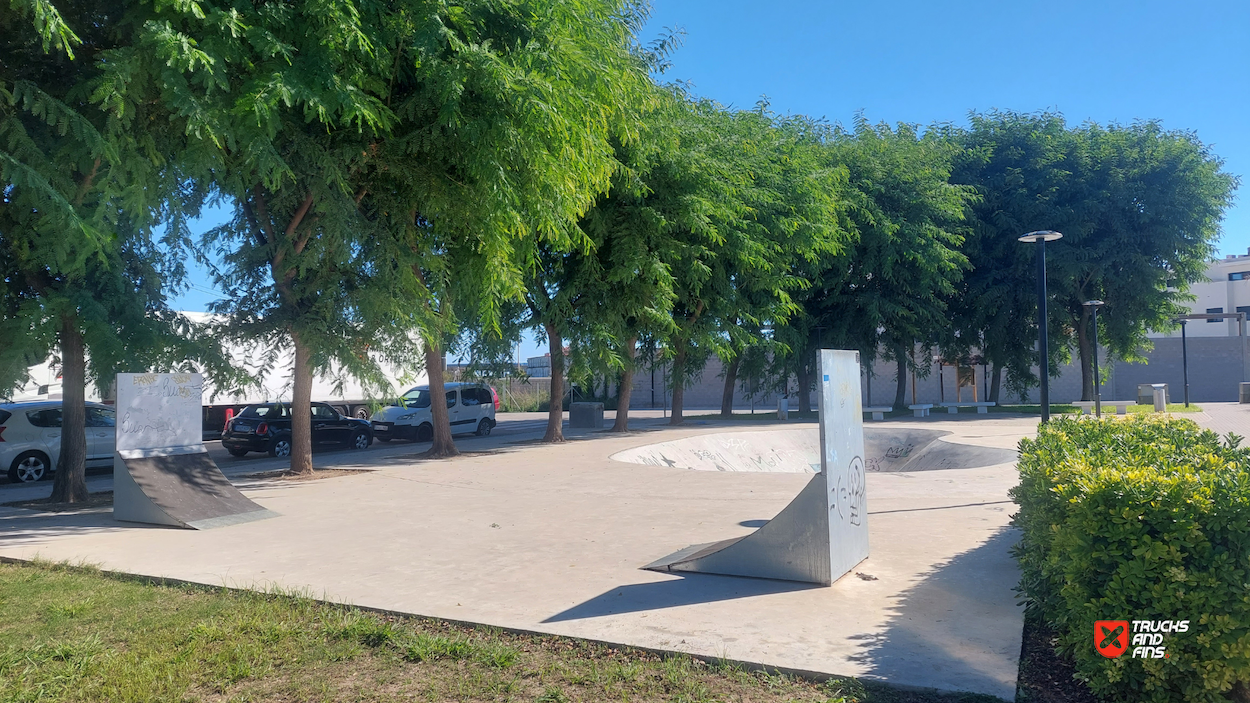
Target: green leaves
{"type": "Point", "coordinates": [48, 24]}
{"type": "Point", "coordinates": [1138, 206]}
{"type": "Point", "coordinates": [1142, 519]}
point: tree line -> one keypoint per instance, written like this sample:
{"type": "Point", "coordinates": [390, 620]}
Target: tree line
{"type": "Point", "coordinates": [408, 178]}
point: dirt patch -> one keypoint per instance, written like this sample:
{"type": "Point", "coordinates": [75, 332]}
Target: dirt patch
{"type": "Point", "coordinates": [94, 500]}
{"type": "Point", "coordinates": [316, 475]}
{"type": "Point", "coordinates": [1046, 677]}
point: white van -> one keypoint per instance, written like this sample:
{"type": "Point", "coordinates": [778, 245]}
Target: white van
{"type": "Point", "coordinates": [470, 407]}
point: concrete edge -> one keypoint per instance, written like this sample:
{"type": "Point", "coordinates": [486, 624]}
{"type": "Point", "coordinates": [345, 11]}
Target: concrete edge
{"type": "Point", "coordinates": [234, 519]}
{"type": "Point", "coordinates": [815, 676]}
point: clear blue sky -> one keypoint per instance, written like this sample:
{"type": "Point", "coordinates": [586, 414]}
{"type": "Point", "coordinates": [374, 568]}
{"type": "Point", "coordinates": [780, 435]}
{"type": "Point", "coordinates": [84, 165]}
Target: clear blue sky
{"type": "Point", "coordinates": [1185, 63]}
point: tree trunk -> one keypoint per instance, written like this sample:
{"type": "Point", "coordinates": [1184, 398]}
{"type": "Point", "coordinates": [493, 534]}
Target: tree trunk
{"type": "Point", "coordinates": [727, 397]}
{"type": "Point", "coordinates": [626, 389]}
{"type": "Point", "coordinates": [900, 395]}
{"type": "Point", "coordinates": [1087, 356]}
{"type": "Point", "coordinates": [679, 382]}
{"type": "Point", "coordinates": [301, 409]}
{"type": "Point", "coordinates": [996, 383]}
{"type": "Point", "coordinates": [555, 413]}
{"type": "Point", "coordinates": [443, 445]}
{"type": "Point", "coordinates": [804, 378]}
{"type": "Point", "coordinates": [70, 483]}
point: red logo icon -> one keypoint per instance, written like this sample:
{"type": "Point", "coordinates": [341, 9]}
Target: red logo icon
{"type": "Point", "coordinates": [1111, 637]}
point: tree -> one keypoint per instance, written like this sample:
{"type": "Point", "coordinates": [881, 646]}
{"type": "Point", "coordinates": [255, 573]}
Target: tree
{"type": "Point", "coordinates": [799, 213]}
{"type": "Point", "coordinates": [771, 206]}
{"type": "Point", "coordinates": [279, 103]}
{"type": "Point", "coordinates": [383, 156]}
{"type": "Point", "coordinates": [627, 288]}
{"type": "Point", "coordinates": [1017, 164]}
{"type": "Point", "coordinates": [1139, 207]}
{"type": "Point", "coordinates": [890, 290]}
{"type": "Point", "coordinates": [91, 216]}
{"type": "Point", "coordinates": [507, 116]}
{"type": "Point", "coordinates": [1147, 212]}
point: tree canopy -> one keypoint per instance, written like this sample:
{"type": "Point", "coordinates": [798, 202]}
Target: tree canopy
{"type": "Point", "coordinates": [1139, 208]}
{"type": "Point", "coordinates": [406, 177]}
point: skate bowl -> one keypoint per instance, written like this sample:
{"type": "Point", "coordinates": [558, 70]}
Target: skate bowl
{"type": "Point", "coordinates": [797, 450]}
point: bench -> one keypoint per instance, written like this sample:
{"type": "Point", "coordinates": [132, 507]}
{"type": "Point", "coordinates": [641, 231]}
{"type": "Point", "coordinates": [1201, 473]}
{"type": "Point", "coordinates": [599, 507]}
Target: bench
{"type": "Point", "coordinates": [878, 412]}
{"type": "Point", "coordinates": [1121, 406]}
{"type": "Point", "coordinates": [920, 410]}
{"type": "Point", "coordinates": [982, 407]}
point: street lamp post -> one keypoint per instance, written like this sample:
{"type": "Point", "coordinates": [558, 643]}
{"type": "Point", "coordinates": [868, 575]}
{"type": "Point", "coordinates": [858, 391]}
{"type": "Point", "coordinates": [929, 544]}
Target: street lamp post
{"type": "Point", "coordinates": [1043, 363]}
{"type": "Point", "coordinates": [1093, 306]}
{"type": "Point", "coordinates": [1185, 362]}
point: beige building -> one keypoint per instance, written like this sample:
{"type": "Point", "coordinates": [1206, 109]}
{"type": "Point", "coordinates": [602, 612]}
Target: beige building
{"type": "Point", "coordinates": [1228, 290]}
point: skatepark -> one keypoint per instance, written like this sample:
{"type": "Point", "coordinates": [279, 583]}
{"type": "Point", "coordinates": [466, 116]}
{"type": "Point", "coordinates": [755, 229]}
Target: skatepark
{"type": "Point", "coordinates": [555, 538]}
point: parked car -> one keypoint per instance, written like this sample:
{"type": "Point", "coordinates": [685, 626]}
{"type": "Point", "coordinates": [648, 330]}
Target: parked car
{"type": "Point", "coordinates": [30, 438]}
{"type": "Point", "coordinates": [470, 407]}
{"type": "Point", "coordinates": [266, 427]}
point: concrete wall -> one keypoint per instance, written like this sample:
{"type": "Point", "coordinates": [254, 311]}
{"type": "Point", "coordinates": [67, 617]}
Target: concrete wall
{"type": "Point", "coordinates": [1215, 369]}
{"type": "Point", "coordinates": [649, 390]}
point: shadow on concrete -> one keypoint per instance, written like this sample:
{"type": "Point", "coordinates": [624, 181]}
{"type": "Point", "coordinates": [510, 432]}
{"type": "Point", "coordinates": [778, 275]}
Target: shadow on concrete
{"type": "Point", "coordinates": [687, 589]}
{"type": "Point", "coordinates": [958, 627]}
{"type": "Point", "coordinates": [31, 527]}
{"type": "Point", "coordinates": [753, 523]}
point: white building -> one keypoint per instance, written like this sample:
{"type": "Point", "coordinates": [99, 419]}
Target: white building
{"type": "Point", "coordinates": [1228, 290]}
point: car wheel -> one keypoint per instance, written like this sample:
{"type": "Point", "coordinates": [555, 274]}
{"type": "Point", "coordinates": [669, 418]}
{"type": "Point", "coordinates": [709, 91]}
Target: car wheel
{"type": "Point", "coordinates": [29, 467]}
{"type": "Point", "coordinates": [237, 452]}
{"type": "Point", "coordinates": [483, 427]}
{"type": "Point", "coordinates": [362, 413]}
{"type": "Point", "coordinates": [361, 440]}
{"type": "Point", "coordinates": [425, 432]}
{"type": "Point", "coordinates": [280, 446]}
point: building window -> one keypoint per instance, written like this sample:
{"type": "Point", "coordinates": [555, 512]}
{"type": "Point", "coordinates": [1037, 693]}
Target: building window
{"type": "Point", "coordinates": [1239, 276]}
{"type": "Point", "coordinates": [1214, 311]}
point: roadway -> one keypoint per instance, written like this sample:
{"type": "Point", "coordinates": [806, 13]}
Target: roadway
{"type": "Point", "coordinates": [512, 428]}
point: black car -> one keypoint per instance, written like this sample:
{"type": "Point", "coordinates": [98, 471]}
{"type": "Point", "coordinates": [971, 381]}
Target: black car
{"type": "Point", "coordinates": [267, 428]}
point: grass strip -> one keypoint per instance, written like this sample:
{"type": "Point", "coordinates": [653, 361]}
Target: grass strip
{"type": "Point", "coordinates": [72, 633]}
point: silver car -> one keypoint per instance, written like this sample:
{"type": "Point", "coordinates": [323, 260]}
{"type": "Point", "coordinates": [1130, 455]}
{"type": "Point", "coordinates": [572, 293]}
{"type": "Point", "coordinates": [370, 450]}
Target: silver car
{"type": "Point", "coordinates": [30, 438]}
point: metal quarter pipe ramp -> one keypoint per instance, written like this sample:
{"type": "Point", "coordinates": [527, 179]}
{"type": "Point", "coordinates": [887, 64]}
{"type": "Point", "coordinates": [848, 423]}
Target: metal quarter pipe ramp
{"type": "Point", "coordinates": [161, 473]}
{"type": "Point", "coordinates": [181, 490]}
{"type": "Point", "coordinates": [823, 533]}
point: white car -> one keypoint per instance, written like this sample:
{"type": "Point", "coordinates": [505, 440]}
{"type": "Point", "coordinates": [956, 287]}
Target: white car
{"type": "Point", "coordinates": [470, 407]}
{"type": "Point", "coordinates": [30, 438]}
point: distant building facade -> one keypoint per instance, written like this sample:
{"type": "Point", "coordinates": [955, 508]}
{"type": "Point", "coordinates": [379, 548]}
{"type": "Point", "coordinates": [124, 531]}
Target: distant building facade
{"type": "Point", "coordinates": [538, 366]}
{"type": "Point", "coordinates": [1227, 290]}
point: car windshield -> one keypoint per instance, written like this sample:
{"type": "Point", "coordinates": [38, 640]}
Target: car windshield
{"type": "Point", "coordinates": [417, 398]}
{"type": "Point", "coordinates": [268, 412]}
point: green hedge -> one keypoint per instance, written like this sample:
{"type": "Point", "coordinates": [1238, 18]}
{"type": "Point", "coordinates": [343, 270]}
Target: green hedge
{"type": "Point", "coordinates": [1140, 519]}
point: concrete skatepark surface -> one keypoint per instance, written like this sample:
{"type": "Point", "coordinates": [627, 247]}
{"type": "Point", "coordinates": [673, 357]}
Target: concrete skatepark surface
{"type": "Point", "coordinates": [553, 539]}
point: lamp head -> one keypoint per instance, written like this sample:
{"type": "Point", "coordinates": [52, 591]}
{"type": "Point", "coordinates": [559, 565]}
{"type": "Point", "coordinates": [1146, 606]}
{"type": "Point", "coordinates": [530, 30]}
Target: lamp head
{"type": "Point", "coordinates": [1095, 304]}
{"type": "Point", "coordinates": [1044, 235]}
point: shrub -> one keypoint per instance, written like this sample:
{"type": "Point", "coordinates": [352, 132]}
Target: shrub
{"type": "Point", "coordinates": [1140, 519]}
